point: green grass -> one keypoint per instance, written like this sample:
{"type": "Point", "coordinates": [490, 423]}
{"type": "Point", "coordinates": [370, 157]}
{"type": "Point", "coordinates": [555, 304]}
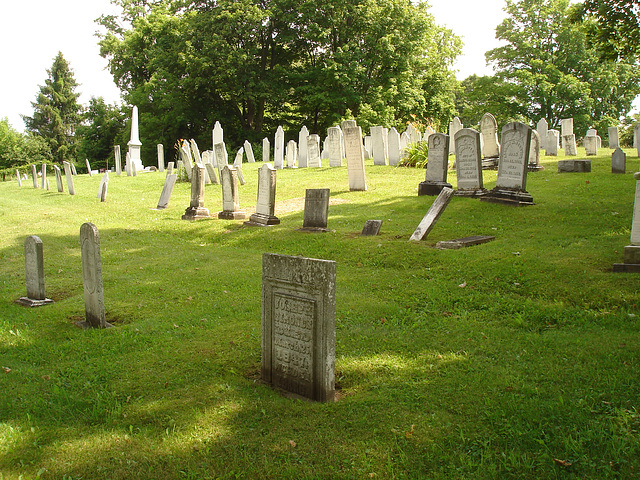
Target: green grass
{"type": "Point", "coordinates": [486, 362]}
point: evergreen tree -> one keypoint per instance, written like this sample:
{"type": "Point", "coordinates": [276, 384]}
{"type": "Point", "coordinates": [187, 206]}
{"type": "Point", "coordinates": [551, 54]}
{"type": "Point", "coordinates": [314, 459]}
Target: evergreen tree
{"type": "Point", "coordinates": [56, 111]}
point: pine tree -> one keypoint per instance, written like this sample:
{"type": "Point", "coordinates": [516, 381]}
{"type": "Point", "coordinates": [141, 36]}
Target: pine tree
{"type": "Point", "coordinates": [56, 112]}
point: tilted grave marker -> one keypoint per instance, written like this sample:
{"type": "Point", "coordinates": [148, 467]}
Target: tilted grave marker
{"type": "Point", "coordinates": [433, 214]}
{"type": "Point", "coordinates": [230, 199]}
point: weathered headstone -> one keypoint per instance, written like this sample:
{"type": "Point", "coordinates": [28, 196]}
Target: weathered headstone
{"type": "Point", "coordinates": [534, 152]}
{"type": "Point", "coordinates": [196, 209]}
{"type": "Point", "coordinates": [469, 164]}
{"type": "Point", "coordinates": [378, 145]}
{"type": "Point", "coordinates": [302, 147]}
{"type": "Point", "coordinates": [490, 144]}
{"type": "Point", "coordinates": [566, 128]}
{"type": "Point", "coordinates": [18, 178]}
{"type": "Point", "coordinates": [429, 220]}
{"type": "Point", "coordinates": [248, 151]}
{"type": "Point", "coordinates": [512, 169]}
{"type": "Point", "coordinates": [160, 148]}
{"type": "Point", "coordinates": [170, 168]}
{"type": "Point", "coordinates": [92, 278]}
{"type": "Point", "coordinates": [266, 150]}
{"type": "Point", "coordinates": [43, 173]}
{"type": "Point", "coordinates": [187, 159]}
{"type": "Point", "coordinates": [437, 165]}
{"type": "Point", "coordinates": [86, 161]}
{"type": "Point", "coordinates": [542, 127]}
{"type": "Point", "coordinates": [371, 228]}
{"type": "Point", "coordinates": [632, 251]}
{"type": "Point", "coordinates": [118, 159]}
{"type": "Point", "coordinates": [574, 166]}
{"type": "Point", "coordinates": [454, 127]}
{"type": "Point", "coordinates": [553, 142]}
{"type": "Point", "coordinates": [73, 169]}
{"type": "Point", "coordinates": [614, 137]}
{"type": "Point", "coordinates": [218, 134]}
{"type": "Point", "coordinates": [618, 161]}
{"type": "Point", "coordinates": [291, 154]}
{"type": "Point", "coordinates": [464, 242]}
{"type": "Point", "coordinates": [313, 151]}
{"type": "Point", "coordinates": [220, 155]}
{"type": "Point", "coordinates": [368, 147]}
{"type": "Point", "coordinates": [230, 199]}
{"type": "Point", "coordinates": [34, 267]}
{"type": "Point", "coordinates": [591, 144]}
{"type": "Point", "coordinates": [167, 190]}
{"type": "Point", "coordinates": [237, 162]}
{"type": "Point", "coordinates": [394, 146]}
{"type": "Point", "coordinates": [134, 143]}
{"type": "Point", "coordinates": [569, 144]}
{"type": "Point", "coordinates": [316, 210]}
{"type": "Point", "coordinates": [69, 176]}
{"type": "Point", "coordinates": [211, 172]}
{"type": "Point", "coordinates": [278, 151]}
{"type": "Point", "coordinates": [334, 146]}
{"type": "Point", "coordinates": [265, 206]}
{"type": "Point", "coordinates": [354, 153]}
{"type": "Point", "coordinates": [34, 175]}
{"type": "Point", "coordinates": [104, 185]}
{"type": "Point", "coordinates": [298, 325]}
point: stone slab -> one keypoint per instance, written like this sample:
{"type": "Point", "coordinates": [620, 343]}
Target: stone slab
{"type": "Point", "coordinates": [574, 166]}
{"type": "Point", "coordinates": [464, 242]}
{"type": "Point", "coordinates": [371, 228]}
{"type": "Point", "coordinates": [432, 216]}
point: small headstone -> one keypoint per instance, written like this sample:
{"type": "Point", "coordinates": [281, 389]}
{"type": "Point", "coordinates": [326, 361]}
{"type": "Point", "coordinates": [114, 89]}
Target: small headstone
{"type": "Point", "coordinates": [34, 267]}
{"type": "Point", "coordinates": [378, 145]}
{"type": "Point", "coordinates": [218, 134]}
{"type": "Point", "coordinates": [118, 159]}
{"type": "Point", "coordinates": [58, 173]}
{"type": "Point", "coordinates": [368, 146]}
{"type": "Point", "coordinates": [265, 206]}
{"type": "Point", "coordinates": [187, 159]}
{"type": "Point", "coordinates": [102, 189]}
{"type": "Point", "coordinates": [240, 175]}
{"type": "Point", "coordinates": [354, 153]}
{"type": "Point", "coordinates": [534, 152]}
{"type": "Point", "coordinates": [34, 175]}
{"type": "Point", "coordinates": [73, 169]}
{"type": "Point", "coordinates": [566, 128]}
{"type": "Point", "coordinates": [18, 178]}
{"type": "Point", "coordinates": [220, 155]}
{"type": "Point", "coordinates": [313, 151]}
{"type": "Point", "coordinates": [334, 146]}
{"type": "Point", "coordinates": [591, 145]}
{"type": "Point", "coordinates": [278, 152]}
{"type": "Point", "coordinates": [569, 145]}
{"type": "Point", "coordinates": [43, 173]}
{"type": "Point", "coordinates": [632, 251]}
{"type": "Point", "coordinates": [211, 171]}
{"type": "Point", "coordinates": [92, 278]}
{"type": "Point", "coordinates": [463, 242]}
{"type": "Point", "coordinates": [618, 161]}
{"type": "Point", "coordinates": [371, 228]}
{"type": "Point", "coordinates": [160, 148]}
{"type": "Point", "coordinates": [237, 162]}
{"type": "Point", "coordinates": [542, 127]}
{"type": "Point", "coordinates": [490, 144]}
{"type": "Point", "coordinates": [316, 210]}
{"type": "Point", "coordinates": [86, 161]}
{"type": "Point", "coordinates": [292, 154]}
{"type": "Point", "coordinates": [248, 150]}
{"type": "Point", "coordinates": [266, 150]}
{"type": "Point", "coordinates": [552, 143]}
{"type": "Point", "coordinates": [394, 146]}
{"type": "Point", "coordinates": [170, 168]}
{"type": "Point", "coordinates": [196, 209]}
{"type": "Point", "coordinates": [574, 166]}
{"type": "Point", "coordinates": [302, 147]}
{"type": "Point", "coordinates": [614, 137]}
{"type": "Point", "coordinates": [432, 216]}
{"type": "Point", "coordinates": [454, 127]}
{"type": "Point", "coordinates": [69, 176]}
{"type": "Point", "coordinates": [437, 166]}
{"type": "Point", "coordinates": [167, 190]}
{"type": "Point", "coordinates": [469, 164]}
{"type": "Point", "coordinates": [230, 199]}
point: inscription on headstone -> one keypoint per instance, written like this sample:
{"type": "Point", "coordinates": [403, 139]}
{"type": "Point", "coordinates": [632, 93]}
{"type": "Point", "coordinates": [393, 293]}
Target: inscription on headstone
{"type": "Point", "coordinates": [469, 163]}
{"type": "Point", "coordinates": [437, 166]}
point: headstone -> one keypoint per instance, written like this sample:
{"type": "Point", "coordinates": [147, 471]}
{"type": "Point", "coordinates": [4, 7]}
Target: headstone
{"type": "Point", "coordinates": [230, 199]}
{"type": "Point", "coordinates": [542, 127]}
{"type": "Point", "coordinates": [313, 151]}
{"type": "Point", "coordinates": [211, 171]}
{"type": "Point", "coordinates": [371, 228]}
{"type": "Point", "coordinates": [266, 150]}
{"type": "Point", "coordinates": [134, 169]}
{"type": "Point", "coordinates": [432, 216]}
{"type": "Point", "coordinates": [86, 161]}
{"type": "Point", "coordinates": [368, 146]}
{"type": "Point", "coordinates": [127, 164]}
{"type": "Point", "coordinates": [278, 152]}
{"type": "Point", "coordinates": [378, 145]}
{"type": "Point", "coordinates": [394, 146]}
{"type": "Point", "coordinates": [265, 206]}
{"type": "Point", "coordinates": [302, 147]}
{"type": "Point", "coordinates": [104, 185]}
{"type": "Point", "coordinates": [614, 137]}
{"type": "Point", "coordinates": [19, 178]}
{"type": "Point", "coordinates": [218, 134]}
{"type": "Point", "coordinates": [490, 144]}
{"type": "Point", "coordinates": [566, 128]}
{"type": "Point", "coordinates": [405, 141]}
{"type": "Point", "coordinates": [598, 141]}
{"type": "Point", "coordinates": [291, 154]}
{"type": "Point", "coordinates": [574, 166]}
{"type": "Point", "coordinates": [437, 165]}
{"type": "Point", "coordinates": [167, 190]}
{"type": "Point", "coordinates": [512, 168]}
{"type": "Point", "coordinates": [73, 169]}
{"type": "Point", "coordinates": [237, 162]}
{"type": "Point", "coordinates": [240, 175]}
{"type": "Point", "coordinates": [592, 132]}
{"type": "Point", "coordinates": [464, 242]}
{"type": "Point", "coordinates": [196, 209]}
{"type": "Point", "coordinates": [552, 143]}
{"type": "Point", "coordinates": [92, 278]}
{"type": "Point", "coordinates": [187, 159]}
{"type": "Point", "coordinates": [298, 325]}
{"type": "Point", "coordinates": [160, 148]}
{"type": "Point", "coordinates": [43, 173]}
{"type": "Point", "coordinates": [67, 174]}
{"type": "Point", "coordinates": [248, 150]}
{"type": "Point", "coordinates": [591, 144]}
{"type": "Point", "coordinates": [118, 159]}
{"type": "Point", "coordinates": [354, 153]}
{"type": "Point", "coordinates": [454, 127]}
{"type": "Point", "coordinates": [170, 168]}
{"type": "Point", "coordinates": [618, 161]}
{"type": "Point", "coordinates": [34, 175]}
{"type": "Point", "coordinates": [134, 143]}
{"type": "Point", "coordinates": [348, 124]}
{"type": "Point", "coordinates": [316, 210]}
{"type": "Point", "coordinates": [334, 146]}
{"type": "Point", "coordinates": [220, 155]}
{"type": "Point", "coordinates": [632, 251]}
{"type": "Point", "coordinates": [569, 144]}
{"type": "Point", "coordinates": [34, 267]}
{"type": "Point", "coordinates": [534, 152]}
{"type": "Point", "coordinates": [469, 164]}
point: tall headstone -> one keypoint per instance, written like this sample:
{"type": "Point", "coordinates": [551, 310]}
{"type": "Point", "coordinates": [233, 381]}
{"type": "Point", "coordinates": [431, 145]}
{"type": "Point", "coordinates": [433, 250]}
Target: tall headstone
{"type": "Point", "coordinates": [429, 220]}
{"type": "Point", "coordinates": [632, 251]}
{"type": "Point", "coordinates": [134, 143]}
{"type": "Point", "coordinates": [167, 190]}
{"type": "Point", "coordinates": [566, 128]}
{"type": "Point", "coordinates": [454, 127]}
{"type": "Point", "coordinates": [569, 144]}
{"type": "Point", "coordinates": [43, 173]}
{"type": "Point", "coordinates": [237, 162]}
{"type": "Point", "coordinates": [34, 268]}
{"type": "Point", "coordinates": [218, 134]}
{"type": "Point", "coordinates": [104, 185]}
{"type": "Point", "coordinates": [469, 164]}
{"type": "Point", "coordinates": [69, 177]}
{"type": "Point", "coordinates": [92, 278]}
{"type": "Point", "coordinates": [334, 146]}
{"type": "Point", "coordinates": [313, 151]}
{"type": "Point", "coordinates": [265, 206]}
{"type": "Point", "coordinates": [34, 175]}
{"type": "Point", "coordinates": [316, 210]}
{"type": "Point", "coordinates": [542, 127]}
{"type": "Point", "coordinates": [196, 209]}
{"type": "Point", "coordinates": [230, 199]}
{"type": "Point", "coordinates": [614, 137]}
{"type": "Point", "coordinates": [248, 150]}
{"type": "Point", "coordinates": [266, 150]}
{"type": "Point", "coordinates": [591, 144]}
{"type": "Point", "coordinates": [618, 161]}
{"type": "Point", "coordinates": [552, 143]}
{"type": "Point", "coordinates": [187, 159]}
{"type": "Point", "coordinates": [86, 161]}
{"type": "Point", "coordinates": [118, 159]}
{"type": "Point", "coordinates": [19, 178]}
{"type": "Point", "coordinates": [354, 153]}
{"type": "Point", "coordinates": [278, 149]}
{"type": "Point", "coordinates": [512, 169]}
{"type": "Point", "coordinates": [160, 148]}
{"type": "Point", "coordinates": [394, 146]}
{"type": "Point", "coordinates": [291, 154]}
{"type": "Point", "coordinates": [490, 144]}
{"type": "Point", "coordinates": [302, 147]}
{"type": "Point", "coordinates": [437, 165]}
{"type": "Point", "coordinates": [534, 152]}
{"type": "Point", "coordinates": [378, 145]}
{"type": "Point", "coordinates": [298, 325]}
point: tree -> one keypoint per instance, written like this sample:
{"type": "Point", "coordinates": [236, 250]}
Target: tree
{"type": "Point", "coordinates": [56, 111]}
{"type": "Point", "coordinates": [17, 149]}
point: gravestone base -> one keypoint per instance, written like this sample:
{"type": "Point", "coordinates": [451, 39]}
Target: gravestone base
{"type": "Point", "coordinates": [32, 302]}
{"type": "Point", "coordinates": [228, 215]}
{"type": "Point", "coordinates": [314, 230]}
{"type": "Point", "coordinates": [631, 260]}
{"type": "Point", "coordinates": [471, 192]}
{"type": "Point", "coordinates": [260, 220]}
{"type": "Point", "coordinates": [463, 242]}
{"type": "Point", "coordinates": [196, 213]}
{"type": "Point", "coordinates": [532, 167]}
{"type": "Point", "coordinates": [85, 325]}
{"type": "Point", "coordinates": [490, 163]}
{"type": "Point", "coordinates": [509, 197]}
{"type": "Point", "coordinates": [432, 188]}
{"type": "Point", "coordinates": [573, 166]}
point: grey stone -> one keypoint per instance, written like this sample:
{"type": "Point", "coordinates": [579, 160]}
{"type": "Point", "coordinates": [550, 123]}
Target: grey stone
{"type": "Point", "coordinates": [371, 228]}
{"type": "Point", "coordinates": [34, 269]}
{"type": "Point", "coordinates": [614, 137]}
{"type": "Point", "coordinates": [302, 147]}
{"type": "Point", "coordinates": [34, 175]}
{"type": "Point", "coordinates": [291, 154]}
{"type": "Point", "coordinates": [248, 151]}
{"type": "Point", "coordinates": [160, 148]}
{"type": "Point", "coordinates": [469, 163]}
{"type": "Point", "coordinates": [542, 127]}
{"type": "Point", "coordinates": [632, 251]}
{"type": "Point", "coordinates": [489, 131]}
{"type": "Point", "coordinates": [134, 143]}
{"type": "Point", "coordinates": [237, 162]}
{"type": "Point", "coordinates": [463, 242]}
{"type": "Point", "coordinates": [393, 146]}
{"type": "Point", "coordinates": [552, 143]}
{"type": "Point", "coordinates": [378, 145]}
{"type": "Point", "coordinates": [278, 152]}
{"type": "Point", "coordinates": [187, 159]}
{"type": "Point", "coordinates": [433, 214]}
{"type": "Point", "coordinates": [265, 205]}
{"type": "Point", "coordinates": [211, 171]}
{"type": "Point", "coordinates": [566, 128]}
{"type": "Point", "coordinates": [59, 183]}
{"type": "Point", "coordinates": [454, 127]}
{"type": "Point", "coordinates": [316, 210]}
{"type": "Point", "coordinates": [86, 161]}
{"type": "Point", "coordinates": [618, 161]}
{"type": "Point", "coordinates": [534, 152]}
{"type": "Point", "coordinates": [104, 185]}
{"type": "Point", "coordinates": [313, 151]}
{"type": "Point", "coordinates": [437, 165]}
{"type": "Point", "coordinates": [92, 278]}
{"type": "Point", "coordinates": [167, 190]}
{"type": "Point", "coordinates": [574, 166]}
{"type": "Point", "coordinates": [230, 199]}
{"type": "Point", "coordinates": [591, 145]}
{"type": "Point", "coordinates": [266, 150]}
{"type": "Point", "coordinates": [335, 146]}
{"type": "Point", "coordinates": [69, 176]}
{"type": "Point", "coordinates": [118, 159]}
{"type": "Point", "coordinates": [218, 134]}
{"type": "Point", "coordinates": [354, 153]}
{"type": "Point", "coordinates": [569, 145]}
{"type": "Point", "coordinates": [18, 178]}
{"type": "Point", "coordinates": [73, 169]}
{"type": "Point", "coordinates": [43, 173]}
{"type": "Point", "coordinates": [196, 209]}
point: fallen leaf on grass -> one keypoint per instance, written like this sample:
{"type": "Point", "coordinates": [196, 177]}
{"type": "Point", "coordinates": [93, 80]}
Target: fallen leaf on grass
{"type": "Point", "coordinates": [292, 443]}
{"type": "Point", "coordinates": [6, 369]}
{"type": "Point", "coordinates": [409, 434]}
{"type": "Point", "coordinates": [562, 463]}
{"type": "Point", "coordinates": [463, 284]}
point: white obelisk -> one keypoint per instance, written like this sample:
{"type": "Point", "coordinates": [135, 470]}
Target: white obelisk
{"type": "Point", "coordinates": [135, 143]}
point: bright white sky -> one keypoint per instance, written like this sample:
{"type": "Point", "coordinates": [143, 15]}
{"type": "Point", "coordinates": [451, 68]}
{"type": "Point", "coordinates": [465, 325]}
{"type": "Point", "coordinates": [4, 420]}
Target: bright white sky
{"type": "Point", "coordinates": [33, 31]}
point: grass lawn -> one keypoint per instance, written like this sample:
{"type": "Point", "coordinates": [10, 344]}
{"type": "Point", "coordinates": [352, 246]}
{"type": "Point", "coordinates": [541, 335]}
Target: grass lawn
{"type": "Point", "coordinates": [519, 358]}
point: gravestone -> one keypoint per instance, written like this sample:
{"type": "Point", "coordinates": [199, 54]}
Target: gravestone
{"type": "Point", "coordinates": [278, 152]}
{"type": "Point", "coordinates": [160, 148]}
{"type": "Point", "coordinates": [371, 228]}
{"type": "Point", "coordinates": [574, 166]}
{"type": "Point", "coordinates": [469, 164]}
{"type": "Point", "coordinates": [569, 145]}
{"type": "Point", "coordinates": [167, 190]}
{"type": "Point", "coordinates": [566, 128]}
{"type": "Point", "coordinates": [248, 150]}
{"type": "Point", "coordinates": [86, 161]}
{"type": "Point", "coordinates": [298, 325]}
{"type": "Point", "coordinates": [265, 206]}
{"type": "Point", "coordinates": [187, 159]}
{"type": "Point", "coordinates": [454, 127]}
{"type": "Point", "coordinates": [368, 147]}
{"type": "Point", "coordinates": [67, 174]}
{"type": "Point", "coordinates": [218, 134]}
{"type": "Point", "coordinates": [552, 143]}
{"type": "Point", "coordinates": [34, 175]}
{"type": "Point", "coordinates": [170, 168]}
{"type": "Point", "coordinates": [92, 278]}
{"type": "Point", "coordinates": [19, 178]}
{"type": "Point", "coordinates": [405, 141]}
{"type": "Point", "coordinates": [464, 242]}
{"type": "Point", "coordinates": [316, 210]}
{"type": "Point", "coordinates": [104, 185]}
{"type": "Point", "coordinates": [291, 154]}
{"type": "Point", "coordinates": [73, 169]}
{"type": "Point", "coordinates": [618, 161]}
{"type": "Point", "coordinates": [490, 144]}
{"type": "Point", "coordinates": [302, 147]}
{"type": "Point", "coordinates": [534, 152]}
{"type": "Point", "coordinates": [118, 159]}
{"type": "Point", "coordinates": [34, 268]}
{"type": "Point", "coordinates": [127, 164]}
{"type": "Point", "coordinates": [614, 137]}
{"type": "Point", "coordinates": [511, 183]}
{"type": "Point", "coordinates": [220, 155]}
{"type": "Point", "coordinates": [632, 251]}
{"type": "Point", "coordinates": [437, 166]}
{"type": "Point", "coordinates": [134, 170]}
{"type": "Point", "coordinates": [542, 128]}
{"type": "Point", "coordinates": [592, 132]}
{"type": "Point", "coordinates": [230, 199]}
{"type": "Point", "coordinates": [196, 209]}
{"type": "Point", "coordinates": [591, 145]}
{"type": "Point", "coordinates": [43, 173]}
{"type": "Point", "coordinates": [433, 214]}
{"type": "Point", "coordinates": [266, 152]}
{"type": "Point", "coordinates": [237, 162]}
{"type": "Point", "coordinates": [134, 143]}
{"type": "Point", "coordinates": [313, 151]}
{"type": "Point", "coordinates": [378, 145]}
{"type": "Point", "coordinates": [334, 146]}
{"type": "Point", "coordinates": [211, 171]}
{"type": "Point", "coordinates": [354, 153]}
{"type": "Point", "coordinates": [394, 146]}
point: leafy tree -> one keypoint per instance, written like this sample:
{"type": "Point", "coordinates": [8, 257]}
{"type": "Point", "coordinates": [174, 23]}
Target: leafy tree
{"type": "Point", "coordinates": [56, 111]}
{"type": "Point", "coordinates": [17, 149]}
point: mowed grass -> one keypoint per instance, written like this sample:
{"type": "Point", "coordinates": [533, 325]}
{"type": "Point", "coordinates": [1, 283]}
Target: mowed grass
{"type": "Point", "coordinates": [519, 358]}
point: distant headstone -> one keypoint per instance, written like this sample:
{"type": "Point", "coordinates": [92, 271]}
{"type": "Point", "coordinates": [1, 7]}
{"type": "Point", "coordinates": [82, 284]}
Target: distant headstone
{"type": "Point", "coordinates": [230, 199]}
{"type": "Point", "coordinates": [454, 127]}
{"type": "Point", "coordinates": [92, 278]}
{"type": "Point", "coordinates": [167, 190]}
{"type": "Point", "coordinates": [187, 159]}
{"type": "Point", "coordinates": [266, 150]}
{"type": "Point", "coordinates": [34, 175]}
{"type": "Point", "coordinates": [534, 152]}
{"type": "Point", "coordinates": [86, 161]}
{"type": "Point", "coordinates": [73, 169]}
{"type": "Point", "coordinates": [490, 144]}
{"type": "Point", "coordinates": [118, 159]}
{"type": "Point", "coordinates": [69, 176]}
{"type": "Point", "coordinates": [569, 144]}
{"type": "Point", "coordinates": [160, 148]}
{"type": "Point", "coordinates": [43, 173]}
{"type": "Point", "coordinates": [368, 147]}
{"type": "Point", "coordinates": [614, 138]}
{"type": "Point", "coordinates": [134, 143]}
{"type": "Point", "coordinates": [265, 206]}
{"type": "Point", "coordinates": [591, 144]}
{"type": "Point", "coordinates": [469, 164]}
{"type": "Point", "coordinates": [170, 168]}
{"type": "Point", "coordinates": [618, 161]}
{"type": "Point", "coordinates": [298, 325]}
{"type": "Point", "coordinates": [316, 210]}
{"type": "Point", "coordinates": [574, 166]}
{"type": "Point", "coordinates": [313, 151]}
{"type": "Point", "coordinates": [34, 267]}
{"type": "Point", "coordinates": [371, 228]}
{"type": "Point", "coordinates": [196, 209]}
{"type": "Point", "coordinates": [211, 172]}
{"type": "Point", "coordinates": [566, 128]}
{"type": "Point", "coordinates": [542, 127]}
{"type": "Point", "coordinates": [248, 151]}
{"type": "Point", "coordinates": [218, 134]}
{"type": "Point", "coordinates": [104, 185]}
{"type": "Point", "coordinates": [278, 153]}
{"type": "Point", "coordinates": [19, 178]}
{"type": "Point", "coordinates": [127, 164]}
{"type": "Point", "coordinates": [437, 166]}
{"type": "Point", "coordinates": [220, 155]}
{"type": "Point", "coordinates": [378, 145]}
{"type": "Point", "coordinates": [432, 216]}
{"type": "Point", "coordinates": [302, 147]}
{"type": "Point", "coordinates": [394, 146]}
{"type": "Point", "coordinates": [354, 153]}
{"type": "Point", "coordinates": [291, 154]}
{"type": "Point", "coordinates": [552, 143]}
{"type": "Point", "coordinates": [239, 156]}
{"type": "Point", "coordinates": [632, 251]}
{"type": "Point", "coordinates": [334, 146]}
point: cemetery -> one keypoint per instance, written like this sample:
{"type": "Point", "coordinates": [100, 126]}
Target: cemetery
{"type": "Point", "coordinates": [500, 343]}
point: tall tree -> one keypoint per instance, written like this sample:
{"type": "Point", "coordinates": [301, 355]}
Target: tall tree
{"type": "Point", "coordinates": [17, 149]}
{"type": "Point", "coordinates": [56, 111]}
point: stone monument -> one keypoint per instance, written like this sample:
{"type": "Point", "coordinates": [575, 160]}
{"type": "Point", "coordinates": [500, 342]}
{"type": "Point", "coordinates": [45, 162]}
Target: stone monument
{"type": "Point", "coordinates": [569, 145]}
{"type": "Point", "coordinates": [534, 152]}
{"type": "Point", "coordinates": [354, 153]}
{"type": "Point", "coordinates": [316, 210]}
{"type": "Point", "coordinates": [552, 143]}
{"type": "Point", "coordinates": [591, 144]}
{"type": "Point", "coordinates": [69, 177]}
{"type": "Point", "coordinates": [134, 143]}
{"type": "Point", "coordinates": [490, 144]}
{"type": "Point", "coordinates": [265, 206]}
{"type": "Point", "coordinates": [278, 153]}
{"type": "Point", "coordinates": [334, 146]}
{"type": "Point", "coordinates": [313, 151]}
{"type": "Point", "coordinates": [160, 148]}
{"type": "Point", "coordinates": [378, 145]}
{"type": "Point", "coordinates": [266, 150]}
{"type": "Point", "coordinates": [92, 278]}
{"type": "Point", "coordinates": [469, 164]}
{"type": "Point", "coordinates": [632, 252]}
{"type": "Point", "coordinates": [167, 190]}
{"type": "Point", "coordinates": [614, 137]}
{"type": "Point", "coordinates": [437, 166]}
{"type": "Point", "coordinates": [433, 214]}
{"type": "Point", "coordinates": [393, 146]}
{"type": "Point", "coordinates": [542, 127]}
{"type": "Point", "coordinates": [34, 268]}
{"type": "Point", "coordinates": [196, 209]}
{"type": "Point", "coordinates": [230, 200]}
{"type": "Point", "coordinates": [618, 161]}
{"type": "Point", "coordinates": [454, 127]}
{"type": "Point", "coordinates": [302, 147]}
{"type": "Point", "coordinates": [118, 159]}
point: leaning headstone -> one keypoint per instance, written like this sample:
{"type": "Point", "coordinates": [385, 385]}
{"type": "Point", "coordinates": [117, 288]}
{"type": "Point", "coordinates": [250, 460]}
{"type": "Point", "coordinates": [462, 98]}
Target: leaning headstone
{"type": "Point", "coordinates": [160, 148]}
{"type": "Point", "coordinates": [248, 150]}
{"type": "Point", "coordinates": [86, 161]}
{"type": "Point", "coordinates": [196, 209]}
{"type": "Point", "coordinates": [614, 137]}
{"type": "Point", "coordinates": [187, 159]}
{"type": "Point", "coordinates": [454, 127]}
{"type": "Point", "coordinates": [574, 166]}
{"type": "Point", "coordinates": [469, 164]}
{"type": "Point", "coordinates": [220, 155]}
{"type": "Point", "coordinates": [378, 145]}
{"type": "Point", "coordinates": [394, 146]}
{"type": "Point", "coordinates": [19, 178]}
{"type": "Point", "coordinates": [34, 267]}
{"type": "Point", "coordinates": [371, 228]}
{"type": "Point", "coordinates": [92, 278]}
{"type": "Point", "coordinates": [278, 152]}
{"type": "Point", "coordinates": [490, 144]}
{"type": "Point", "coordinates": [432, 216]}
{"type": "Point", "coordinates": [618, 161]}
{"type": "Point", "coordinates": [591, 145]}
{"type": "Point", "coordinates": [34, 176]}
{"type": "Point", "coordinates": [542, 127]}
{"type": "Point", "coordinates": [266, 150]}
{"type": "Point", "coordinates": [43, 173]}
{"type": "Point", "coordinates": [569, 144]}
{"type": "Point", "coordinates": [534, 152]}
{"type": "Point", "coordinates": [437, 165]}
{"type": "Point", "coordinates": [632, 252]}
{"type": "Point", "coordinates": [354, 153]}
{"type": "Point", "coordinates": [237, 162]}
{"type": "Point", "coordinates": [298, 325]}
{"type": "Point", "coordinates": [552, 143]}
{"type": "Point", "coordinates": [265, 206]}
{"type": "Point", "coordinates": [211, 171]}
{"type": "Point", "coordinates": [316, 210]}
{"type": "Point", "coordinates": [104, 185]}
{"type": "Point", "coordinates": [313, 151]}
{"type": "Point", "coordinates": [240, 175]}
{"type": "Point", "coordinates": [167, 190]}
{"type": "Point", "coordinates": [118, 159]}
{"type": "Point", "coordinates": [67, 174]}
{"type": "Point", "coordinates": [73, 169]}
{"type": "Point", "coordinates": [464, 242]}
{"type": "Point", "coordinates": [302, 147]}
{"type": "Point", "coordinates": [334, 146]}
{"type": "Point", "coordinates": [230, 199]}
{"type": "Point", "coordinates": [566, 128]}
{"type": "Point", "coordinates": [512, 168]}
